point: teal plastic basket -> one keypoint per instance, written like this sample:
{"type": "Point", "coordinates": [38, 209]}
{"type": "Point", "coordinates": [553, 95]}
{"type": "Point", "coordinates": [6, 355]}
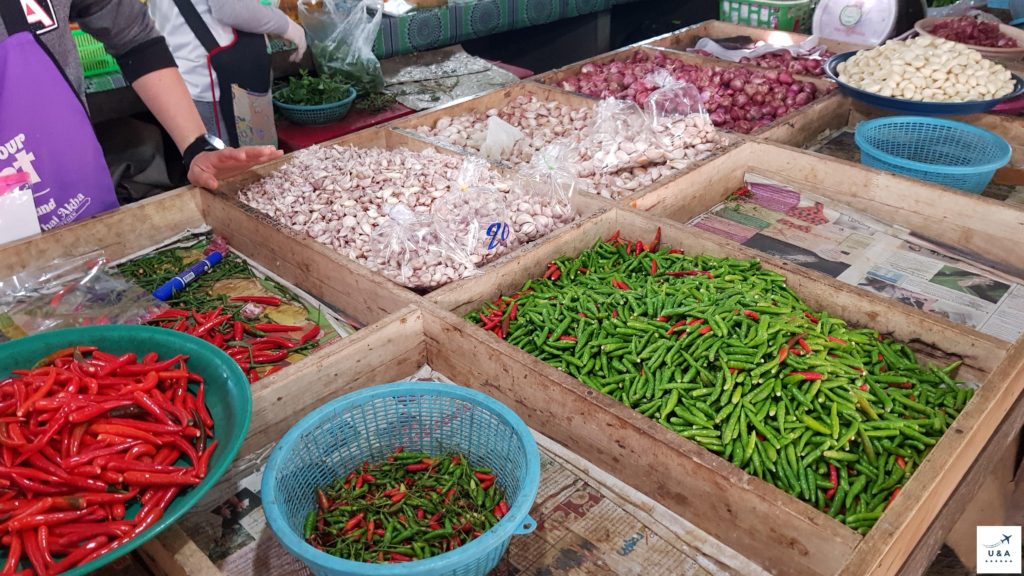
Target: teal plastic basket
{"type": "Point", "coordinates": [367, 426]}
{"type": "Point", "coordinates": [228, 397]}
{"type": "Point", "coordinates": [932, 149]}
{"type": "Point", "coordinates": [316, 115]}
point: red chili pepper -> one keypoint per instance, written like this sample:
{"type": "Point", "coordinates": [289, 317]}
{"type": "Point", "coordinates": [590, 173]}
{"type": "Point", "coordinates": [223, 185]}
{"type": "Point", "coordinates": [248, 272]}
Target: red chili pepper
{"type": "Point", "coordinates": [901, 385]}
{"type": "Point", "coordinates": [420, 467]}
{"type": "Point", "coordinates": [863, 387]}
{"type": "Point", "coordinates": [654, 266]}
{"type": "Point", "coordinates": [804, 345]}
{"type": "Point", "coordinates": [614, 237]}
{"type": "Point", "coordinates": [396, 557]}
{"type": "Point", "coordinates": [311, 334]}
{"type": "Point", "coordinates": [514, 310]}
{"type": "Point", "coordinates": [277, 328]}
{"type": "Point", "coordinates": [567, 338]}
{"type": "Point", "coordinates": [656, 243]}
{"type": "Point", "coordinates": [353, 522]}
{"type": "Point", "coordinates": [752, 315]}
{"type": "Point", "coordinates": [265, 300]}
{"type": "Point", "coordinates": [900, 461]}
{"type": "Point", "coordinates": [704, 330]}
{"type": "Point", "coordinates": [137, 478]}
{"type": "Point", "coordinates": [837, 340]}
{"type": "Point", "coordinates": [808, 375]}
{"type": "Point", "coordinates": [783, 352]}
{"type": "Point", "coordinates": [681, 273]}
{"type": "Point", "coordinates": [892, 497]}
{"type": "Point", "coordinates": [811, 317]}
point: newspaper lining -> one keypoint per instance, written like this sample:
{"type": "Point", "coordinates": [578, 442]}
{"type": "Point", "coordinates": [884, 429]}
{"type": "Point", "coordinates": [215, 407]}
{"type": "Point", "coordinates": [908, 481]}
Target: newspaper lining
{"type": "Point", "coordinates": [859, 250]}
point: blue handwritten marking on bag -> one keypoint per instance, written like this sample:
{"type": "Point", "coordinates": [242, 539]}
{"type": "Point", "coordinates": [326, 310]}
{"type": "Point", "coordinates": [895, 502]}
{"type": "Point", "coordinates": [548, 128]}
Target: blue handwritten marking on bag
{"type": "Point", "coordinates": [493, 233]}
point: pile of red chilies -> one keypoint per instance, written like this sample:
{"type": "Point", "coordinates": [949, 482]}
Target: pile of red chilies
{"type": "Point", "coordinates": [82, 435]}
{"type": "Point", "coordinates": [268, 348]}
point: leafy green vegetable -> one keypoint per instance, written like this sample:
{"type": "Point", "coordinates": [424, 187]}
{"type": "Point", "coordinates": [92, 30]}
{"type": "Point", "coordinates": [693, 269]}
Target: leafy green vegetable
{"type": "Point", "coordinates": [348, 63]}
{"type": "Point", "coordinates": [306, 90]}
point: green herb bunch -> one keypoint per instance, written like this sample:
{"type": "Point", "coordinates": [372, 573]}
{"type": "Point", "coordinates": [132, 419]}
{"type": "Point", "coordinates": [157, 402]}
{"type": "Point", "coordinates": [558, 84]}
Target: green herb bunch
{"type": "Point", "coordinates": [306, 90]}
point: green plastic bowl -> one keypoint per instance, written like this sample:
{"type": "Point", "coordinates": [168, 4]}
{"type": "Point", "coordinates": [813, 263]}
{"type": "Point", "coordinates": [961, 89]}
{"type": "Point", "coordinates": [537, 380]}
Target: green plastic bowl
{"type": "Point", "coordinates": [228, 399]}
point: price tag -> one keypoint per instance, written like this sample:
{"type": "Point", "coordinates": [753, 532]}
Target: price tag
{"type": "Point", "coordinates": [498, 233]}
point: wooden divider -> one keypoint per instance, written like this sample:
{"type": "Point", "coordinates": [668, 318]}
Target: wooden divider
{"type": "Point", "coordinates": [984, 230]}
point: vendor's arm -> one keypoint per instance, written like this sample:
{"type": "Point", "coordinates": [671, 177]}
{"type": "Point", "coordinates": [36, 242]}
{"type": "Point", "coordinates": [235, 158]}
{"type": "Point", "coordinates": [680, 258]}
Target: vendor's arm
{"type": "Point", "coordinates": [127, 32]}
{"type": "Point", "coordinates": [164, 93]}
{"type": "Point", "coordinates": [248, 16]}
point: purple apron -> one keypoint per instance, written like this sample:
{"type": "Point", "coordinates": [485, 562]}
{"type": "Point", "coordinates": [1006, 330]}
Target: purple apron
{"type": "Point", "coordinates": [45, 131]}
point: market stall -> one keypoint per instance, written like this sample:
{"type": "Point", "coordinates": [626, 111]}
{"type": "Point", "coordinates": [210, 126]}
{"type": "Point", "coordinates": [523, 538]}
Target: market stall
{"type": "Point", "coordinates": [740, 348]}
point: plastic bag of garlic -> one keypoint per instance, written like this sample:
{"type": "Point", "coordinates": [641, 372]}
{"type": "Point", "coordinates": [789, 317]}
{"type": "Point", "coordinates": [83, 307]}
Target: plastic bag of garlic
{"type": "Point", "coordinates": [545, 122]}
{"type": "Point", "coordinates": [475, 220]}
{"type": "Point", "coordinates": [548, 180]}
{"type": "Point", "coordinates": [408, 249]}
{"type": "Point", "coordinates": [340, 195]}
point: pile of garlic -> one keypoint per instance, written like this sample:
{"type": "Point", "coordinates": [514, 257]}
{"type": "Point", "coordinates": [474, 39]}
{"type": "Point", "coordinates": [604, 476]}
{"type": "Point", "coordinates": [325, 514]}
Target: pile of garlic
{"type": "Point", "coordinates": [926, 69]}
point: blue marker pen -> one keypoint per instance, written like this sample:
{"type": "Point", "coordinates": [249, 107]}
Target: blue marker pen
{"type": "Point", "coordinates": [179, 282]}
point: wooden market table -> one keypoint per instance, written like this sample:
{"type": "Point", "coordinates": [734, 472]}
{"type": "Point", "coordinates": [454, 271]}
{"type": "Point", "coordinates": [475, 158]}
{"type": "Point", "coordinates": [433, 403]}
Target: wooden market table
{"type": "Point", "coordinates": [734, 522]}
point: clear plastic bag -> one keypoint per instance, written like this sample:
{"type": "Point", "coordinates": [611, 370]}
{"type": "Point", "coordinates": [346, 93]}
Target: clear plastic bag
{"type": "Point", "coordinates": [501, 138]}
{"type": "Point", "coordinates": [474, 220]}
{"type": "Point", "coordinates": [72, 292]}
{"type": "Point", "coordinates": [960, 8]}
{"type": "Point", "coordinates": [341, 34]}
{"type": "Point", "coordinates": [545, 189]}
{"type": "Point", "coordinates": [620, 129]}
{"type": "Point", "coordinates": [673, 99]}
{"type": "Point", "coordinates": [408, 249]}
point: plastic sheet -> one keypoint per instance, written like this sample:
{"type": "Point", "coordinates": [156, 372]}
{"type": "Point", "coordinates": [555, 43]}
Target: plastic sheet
{"type": "Point", "coordinates": [71, 292]}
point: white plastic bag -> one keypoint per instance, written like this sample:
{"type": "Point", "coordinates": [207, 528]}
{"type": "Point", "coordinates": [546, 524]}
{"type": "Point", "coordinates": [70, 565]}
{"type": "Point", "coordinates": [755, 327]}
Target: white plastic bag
{"type": "Point", "coordinates": [408, 249]}
{"type": "Point", "coordinates": [341, 34]}
{"type": "Point", "coordinates": [501, 138]}
{"type": "Point", "coordinates": [17, 207]}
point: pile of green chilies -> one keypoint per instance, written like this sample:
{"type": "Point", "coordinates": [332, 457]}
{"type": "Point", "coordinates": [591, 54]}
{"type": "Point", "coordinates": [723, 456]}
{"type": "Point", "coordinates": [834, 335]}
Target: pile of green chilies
{"type": "Point", "coordinates": [722, 352]}
{"type": "Point", "coordinates": [410, 507]}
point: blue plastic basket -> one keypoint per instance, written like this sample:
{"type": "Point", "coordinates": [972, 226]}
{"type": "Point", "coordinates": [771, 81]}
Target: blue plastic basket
{"type": "Point", "coordinates": [316, 115]}
{"type": "Point", "coordinates": [940, 151]}
{"type": "Point", "coordinates": [916, 106]}
{"type": "Point", "coordinates": [367, 426]}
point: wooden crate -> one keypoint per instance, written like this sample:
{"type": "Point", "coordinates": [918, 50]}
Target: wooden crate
{"type": "Point", "coordinates": [391, 350]}
{"type": "Point", "coordinates": [718, 497]}
{"type": "Point", "coordinates": [585, 204]}
{"type": "Point", "coordinates": [843, 113]}
{"type": "Point", "coordinates": [357, 292]}
{"type": "Point", "coordinates": [498, 98]}
{"type": "Point", "coordinates": [781, 130]}
{"type": "Point", "coordinates": [688, 37]}
{"type": "Point", "coordinates": [984, 230]}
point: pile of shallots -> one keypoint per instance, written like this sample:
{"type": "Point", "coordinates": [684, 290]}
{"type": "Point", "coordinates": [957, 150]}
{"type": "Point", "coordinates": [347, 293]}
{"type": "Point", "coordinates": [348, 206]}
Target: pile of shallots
{"type": "Point", "coordinates": [349, 198]}
{"type": "Point", "coordinates": [737, 99]}
{"type": "Point", "coordinates": [784, 60]}
{"type": "Point", "coordinates": [640, 154]}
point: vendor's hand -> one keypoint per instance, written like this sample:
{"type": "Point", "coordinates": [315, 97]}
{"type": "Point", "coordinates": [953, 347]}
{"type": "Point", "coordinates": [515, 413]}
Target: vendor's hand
{"type": "Point", "coordinates": [208, 167]}
{"type": "Point", "coordinates": [296, 35]}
